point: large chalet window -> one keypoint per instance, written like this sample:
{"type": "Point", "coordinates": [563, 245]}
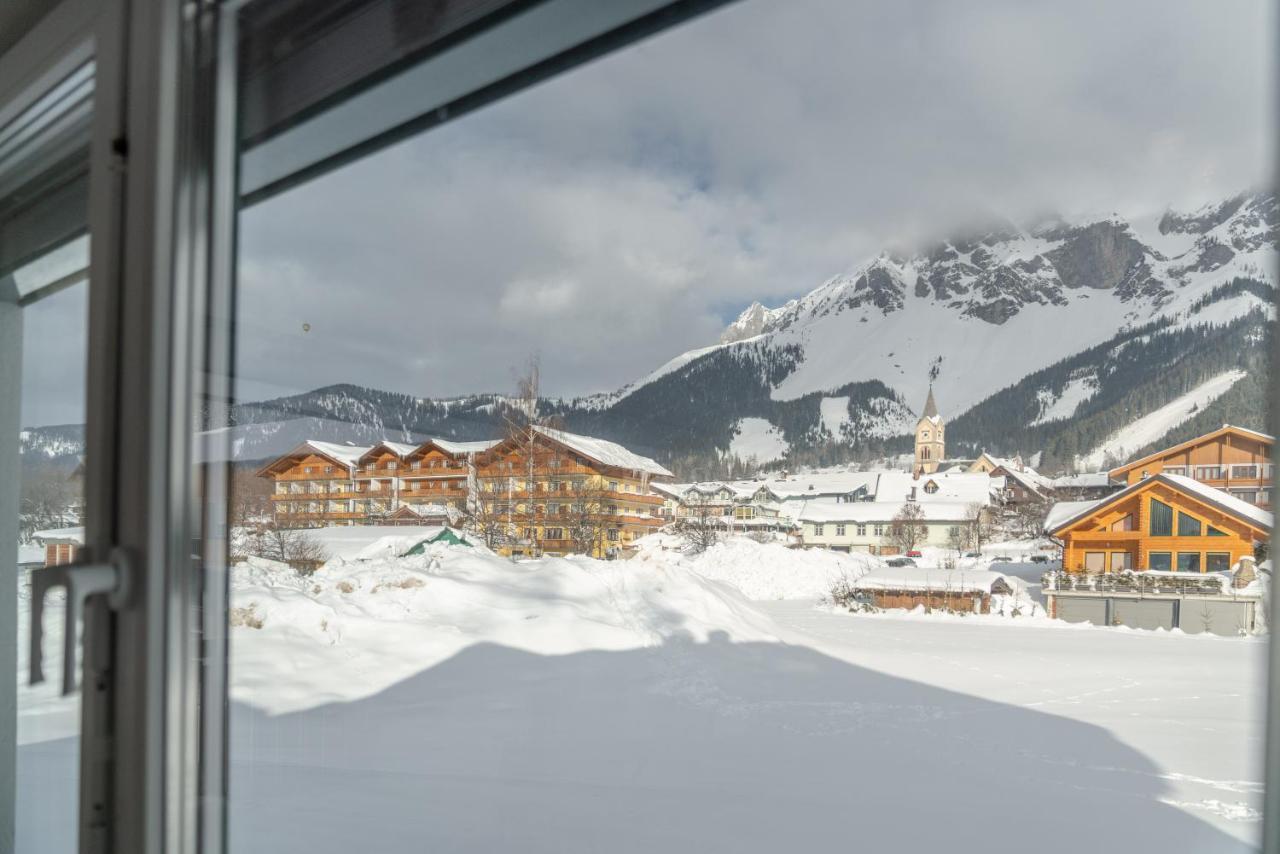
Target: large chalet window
{"type": "Point", "coordinates": [1217, 561]}
{"type": "Point", "coordinates": [1161, 524]}
{"type": "Point", "coordinates": [1244, 471]}
{"type": "Point", "coordinates": [1188, 561]}
{"type": "Point", "coordinates": [1214, 532]}
{"type": "Point", "coordinates": [1208, 472]}
{"type": "Point", "coordinates": [1161, 561]}
{"type": "Point", "coordinates": [1188, 526]}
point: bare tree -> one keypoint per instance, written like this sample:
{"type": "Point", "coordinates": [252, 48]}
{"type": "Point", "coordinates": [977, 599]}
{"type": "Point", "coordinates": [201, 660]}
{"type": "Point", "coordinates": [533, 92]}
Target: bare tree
{"type": "Point", "coordinates": [978, 520]}
{"type": "Point", "coordinates": [485, 516]}
{"type": "Point", "coordinates": [588, 519]}
{"type": "Point", "coordinates": [907, 529]}
{"type": "Point", "coordinates": [293, 546]}
{"type": "Point", "coordinates": [958, 539]}
{"type": "Point", "coordinates": [250, 499]}
{"type": "Point", "coordinates": [699, 527]}
{"type": "Point", "coordinates": [49, 499]}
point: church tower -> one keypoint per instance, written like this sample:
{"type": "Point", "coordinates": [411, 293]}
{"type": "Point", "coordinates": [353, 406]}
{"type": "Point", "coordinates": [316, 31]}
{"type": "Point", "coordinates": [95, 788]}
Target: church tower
{"type": "Point", "coordinates": [931, 445]}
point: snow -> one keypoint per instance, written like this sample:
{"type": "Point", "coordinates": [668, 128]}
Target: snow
{"type": "Point", "coordinates": [75, 534]}
{"type": "Point", "coordinates": [457, 701]}
{"type": "Point", "coordinates": [882, 511]}
{"type": "Point", "coordinates": [604, 451]}
{"type": "Point", "coordinates": [1064, 511]}
{"type": "Point", "coordinates": [1154, 425]}
{"type": "Point", "coordinates": [762, 571]}
{"type": "Point", "coordinates": [757, 439]}
{"type": "Point", "coordinates": [931, 579]}
{"type": "Point", "coordinates": [1064, 404]}
{"type": "Point", "coordinates": [1225, 500]}
{"type": "Point", "coordinates": [352, 542]}
{"type": "Point", "coordinates": [834, 412]}
{"type": "Point", "coordinates": [461, 449]}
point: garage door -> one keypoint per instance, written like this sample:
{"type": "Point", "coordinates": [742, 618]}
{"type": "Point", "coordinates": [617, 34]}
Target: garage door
{"type": "Point", "coordinates": [1198, 616]}
{"type": "Point", "coordinates": [1083, 610]}
{"type": "Point", "coordinates": [1142, 613]}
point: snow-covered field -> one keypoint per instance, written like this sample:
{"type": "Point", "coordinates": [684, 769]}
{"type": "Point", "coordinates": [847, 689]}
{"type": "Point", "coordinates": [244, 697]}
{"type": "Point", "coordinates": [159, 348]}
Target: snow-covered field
{"type": "Point", "coordinates": [457, 701]}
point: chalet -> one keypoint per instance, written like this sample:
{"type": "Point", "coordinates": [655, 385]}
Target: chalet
{"type": "Point", "coordinates": [315, 485]}
{"type": "Point", "coordinates": [434, 475]}
{"type": "Point", "coordinates": [1233, 459]}
{"type": "Point", "coordinates": [909, 587]}
{"type": "Point", "coordinates": [1164, 552]}
{"type": "Point", "coordinates": [552, 492]}
{"type": "Point", "coordinates": [1164, 522]}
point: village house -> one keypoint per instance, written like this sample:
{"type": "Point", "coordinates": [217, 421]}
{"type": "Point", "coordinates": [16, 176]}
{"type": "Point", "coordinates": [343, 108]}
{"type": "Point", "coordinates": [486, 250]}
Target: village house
{"type": "Point", "coordinates": [1233, 459]}
{"type": "Point", "coordinates": [1163, 522]}
{"type": "Point", "coordinates": [552, 492]}
{"type": "Point", "coordinates": [1186, 543]}
{"type": "Point", "coordinates": [745, 506]}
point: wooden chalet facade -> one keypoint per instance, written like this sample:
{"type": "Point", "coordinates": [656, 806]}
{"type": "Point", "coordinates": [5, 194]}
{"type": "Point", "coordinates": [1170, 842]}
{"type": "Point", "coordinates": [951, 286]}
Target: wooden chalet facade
{"type": "Point", "coordinates": [551, 492]}
{"type": "Point", "coordinates": [1233, 459]}
{"type": "Point", "coordinates": [1164, 522]}
{"type": "Point", "coordinates": [547, 492]}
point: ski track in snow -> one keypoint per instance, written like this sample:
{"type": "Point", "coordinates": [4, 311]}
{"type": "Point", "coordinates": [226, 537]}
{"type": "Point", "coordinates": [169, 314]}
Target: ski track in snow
{"type": "Point", "coordinates": [1150, 427]}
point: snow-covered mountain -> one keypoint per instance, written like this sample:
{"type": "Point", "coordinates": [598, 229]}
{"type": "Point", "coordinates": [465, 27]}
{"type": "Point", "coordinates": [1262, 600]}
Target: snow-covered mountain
{"type": "Point", "coordinates": [1085, 340]}
{"type": "Point", "coordinates": [980, 311]}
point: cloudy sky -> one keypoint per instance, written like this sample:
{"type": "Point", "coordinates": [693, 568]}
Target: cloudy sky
{"type": "Point", "coordinates": [624, 212]}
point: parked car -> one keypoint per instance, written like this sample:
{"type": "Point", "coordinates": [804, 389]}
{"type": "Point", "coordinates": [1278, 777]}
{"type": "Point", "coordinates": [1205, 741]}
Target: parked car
{"type": "Point", "coordinates": [1002, 559]}
{"type": "Point", "coordinates": [1039, 558]}
{"type": "Point", "coordinates": [900, 561]}
{"type": "Point", "coordinates": [914, 553]}
{"type": "Point", "coordinates": [973, 554]}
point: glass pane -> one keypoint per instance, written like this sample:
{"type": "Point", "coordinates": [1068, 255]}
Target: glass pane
{"type": "Point", "coordinates": [660, 458]}
{"type": "Point", "coordinates": [43, 339]}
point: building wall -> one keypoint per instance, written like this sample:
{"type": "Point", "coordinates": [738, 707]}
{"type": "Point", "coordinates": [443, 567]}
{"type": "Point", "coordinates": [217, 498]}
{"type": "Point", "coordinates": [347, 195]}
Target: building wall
{"type": "Point", "coordinates": [1251, 456]}
{"type": "Point", "coordinates": [938, 535]}
{"type": "Point", "coordinates": [965, 603]}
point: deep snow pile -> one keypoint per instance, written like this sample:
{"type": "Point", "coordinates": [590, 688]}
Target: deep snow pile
{"type": "Point", "coordinates": [761, 570]}
{"type": "Point", "coordinates": [353, 629]}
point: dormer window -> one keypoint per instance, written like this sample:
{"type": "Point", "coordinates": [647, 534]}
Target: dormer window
{"type": "Point", "coordinates": [931, 487]}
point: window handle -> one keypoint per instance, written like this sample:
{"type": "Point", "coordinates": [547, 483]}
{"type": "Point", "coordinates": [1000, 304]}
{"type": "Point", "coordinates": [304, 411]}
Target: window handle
{"type": "Point", "coordinates": [80, 581]}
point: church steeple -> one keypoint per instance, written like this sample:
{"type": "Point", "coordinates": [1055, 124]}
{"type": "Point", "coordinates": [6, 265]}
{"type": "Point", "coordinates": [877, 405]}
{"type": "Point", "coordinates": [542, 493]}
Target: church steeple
{"type": "Point", "coordinates": [931, 440]}
{"type": "Point", "coordinates": [930, 408]}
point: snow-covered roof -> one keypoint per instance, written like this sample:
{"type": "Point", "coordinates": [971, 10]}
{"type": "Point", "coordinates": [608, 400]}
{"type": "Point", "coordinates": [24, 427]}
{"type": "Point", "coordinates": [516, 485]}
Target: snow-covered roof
{"type": "Point", "coordinates": [881, 511]}
{"type": "Point", "coordinates": [1094, 479]}
{"type": "Point", "coordinates": [928, 579]}
{"type": "Point", "coordinates": [822, 483]}
{"type": "Point", "coordinates": [1224, 500]}
{"type": "Point", "coordinates": [347, 454]}
{"type": "Point", "coordinates": [953, 486]}
{"type": "Point", "coordinates": [1066, 512]}
{"type": "Point", "coordinates": [605, 452]}
{"type": "Point", "coordinates": [463, 448]}
{"type": "Point", "coordinates": [74, 534]}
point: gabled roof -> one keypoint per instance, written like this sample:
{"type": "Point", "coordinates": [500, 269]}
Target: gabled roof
{"type": "Point", "coordinates": [604, 452]}
{"type": "Point", "coordinates": [1225, 429]}
{"type": "Point", "coordinates": [1067, 513]}
{"type": "Point", "coordinates": [343, 455]}
{"type": "Point", "coordinates": [399, 449]}
{"type": "Point", "coordinates": [453, 449]}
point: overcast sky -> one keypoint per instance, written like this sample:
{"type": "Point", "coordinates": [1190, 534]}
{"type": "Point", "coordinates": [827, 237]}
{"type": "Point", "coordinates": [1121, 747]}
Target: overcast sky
{"type": "Point", "coordinates": [620, 214]}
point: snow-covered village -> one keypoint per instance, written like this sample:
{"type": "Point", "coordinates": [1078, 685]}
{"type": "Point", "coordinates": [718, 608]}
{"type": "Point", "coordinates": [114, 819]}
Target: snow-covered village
{"type": "Point", "coordinates": [656, 427]}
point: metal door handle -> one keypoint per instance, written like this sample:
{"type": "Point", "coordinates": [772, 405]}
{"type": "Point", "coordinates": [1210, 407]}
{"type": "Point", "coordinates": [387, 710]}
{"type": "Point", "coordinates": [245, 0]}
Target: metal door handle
{"type": "Point", "coordinates": [80, 581]}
